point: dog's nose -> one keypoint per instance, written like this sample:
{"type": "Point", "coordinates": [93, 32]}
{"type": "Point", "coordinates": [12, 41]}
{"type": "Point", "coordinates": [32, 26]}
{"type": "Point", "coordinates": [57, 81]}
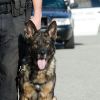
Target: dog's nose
{"type": "Point", "coordinates": [42, 51]}
{"type": "Point", "coordinates": [42, 54]}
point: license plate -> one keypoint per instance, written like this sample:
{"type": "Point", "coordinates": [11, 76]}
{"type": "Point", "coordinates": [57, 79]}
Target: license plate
{"type": "Point", "coordinates": [61, 21]}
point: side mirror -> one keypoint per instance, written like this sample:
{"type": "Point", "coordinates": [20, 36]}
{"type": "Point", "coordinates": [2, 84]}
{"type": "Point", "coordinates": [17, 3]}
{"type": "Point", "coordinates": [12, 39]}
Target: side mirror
{"type": "Point", "coordinates": [67, 3]}
{"type": "Point", "coordinates": [74, 5]}
{"type": "Point", "coordinates": [71, 4]}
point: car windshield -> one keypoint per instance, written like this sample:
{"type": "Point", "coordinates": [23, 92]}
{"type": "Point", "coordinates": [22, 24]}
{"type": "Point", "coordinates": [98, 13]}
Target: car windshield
{"type": "Point", "coordinates": [59, 4]}
{"type": "Point", "coordinates": [88, 3]}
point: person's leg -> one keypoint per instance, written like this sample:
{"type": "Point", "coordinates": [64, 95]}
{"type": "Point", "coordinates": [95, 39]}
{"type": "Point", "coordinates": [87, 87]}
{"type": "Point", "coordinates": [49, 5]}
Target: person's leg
{"type": "Point", "coordinates": [19, 23]}
{"type": "Point", "coordinates": [8, 58]}
{"type": "Point", "coordinates": [22, 45]}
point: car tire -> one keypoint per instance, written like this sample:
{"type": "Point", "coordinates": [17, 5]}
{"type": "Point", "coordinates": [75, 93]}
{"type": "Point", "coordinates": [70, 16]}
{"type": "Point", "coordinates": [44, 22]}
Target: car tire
{"type": "Point", "coordinates": [69, 44]}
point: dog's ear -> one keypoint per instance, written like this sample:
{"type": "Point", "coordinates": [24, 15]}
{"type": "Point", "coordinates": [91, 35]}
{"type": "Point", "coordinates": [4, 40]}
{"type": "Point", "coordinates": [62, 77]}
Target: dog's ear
{"type": "Point", "coordinates": [52, 30]}
{"type": "Point", "coordinates": [30, 29]}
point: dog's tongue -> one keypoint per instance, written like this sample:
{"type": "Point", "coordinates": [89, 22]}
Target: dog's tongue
{"type": "Point", "coordinates": [41, 64]}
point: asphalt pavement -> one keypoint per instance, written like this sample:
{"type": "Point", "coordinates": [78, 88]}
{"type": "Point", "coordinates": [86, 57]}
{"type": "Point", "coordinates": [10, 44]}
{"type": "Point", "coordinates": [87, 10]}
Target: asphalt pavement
{"type": "Point", "coordinates": [78, 70]}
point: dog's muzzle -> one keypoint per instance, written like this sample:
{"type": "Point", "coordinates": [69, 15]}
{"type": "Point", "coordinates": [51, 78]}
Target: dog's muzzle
{"type": "Point", "coordinates": [42, 59]}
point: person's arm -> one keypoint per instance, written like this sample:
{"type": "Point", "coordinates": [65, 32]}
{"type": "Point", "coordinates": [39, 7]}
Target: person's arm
{"type": "Point", "coordinates": [37, 5]}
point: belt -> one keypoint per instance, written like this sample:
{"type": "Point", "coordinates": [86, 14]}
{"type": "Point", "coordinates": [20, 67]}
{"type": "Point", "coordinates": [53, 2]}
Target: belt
{"type": "Point", "coordinates": [5, 8]}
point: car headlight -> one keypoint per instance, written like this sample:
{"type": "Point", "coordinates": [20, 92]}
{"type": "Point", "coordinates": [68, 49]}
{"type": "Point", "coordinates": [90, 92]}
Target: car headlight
{"type": "Point", "coordinates": [62, 21]}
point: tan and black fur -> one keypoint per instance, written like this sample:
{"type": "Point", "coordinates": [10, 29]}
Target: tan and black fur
{"type": "Point", "coordinates": [37, 75]}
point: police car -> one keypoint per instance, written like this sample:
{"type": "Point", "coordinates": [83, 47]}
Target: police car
{"type": "Point", "coordinates": [59, 10]}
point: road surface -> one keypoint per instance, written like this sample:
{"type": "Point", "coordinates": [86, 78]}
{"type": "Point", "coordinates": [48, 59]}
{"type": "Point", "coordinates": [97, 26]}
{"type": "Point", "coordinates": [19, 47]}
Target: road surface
{"type": "Point", "coordinates": [78, 70]}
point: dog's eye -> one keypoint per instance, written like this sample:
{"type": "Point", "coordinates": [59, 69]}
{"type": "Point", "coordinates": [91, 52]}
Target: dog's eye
{"type": "Point", "coordinates": [47, 43]}
{"type": "Point", "coordinates": [34, 45]}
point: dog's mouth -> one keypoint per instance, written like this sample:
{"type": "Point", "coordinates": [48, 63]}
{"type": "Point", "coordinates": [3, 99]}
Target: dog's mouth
{"type": "Point", "coordinates": [41, 63]}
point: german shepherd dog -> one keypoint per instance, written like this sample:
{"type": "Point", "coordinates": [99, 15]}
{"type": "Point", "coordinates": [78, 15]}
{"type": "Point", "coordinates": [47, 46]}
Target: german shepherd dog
{"type": "Point", "coordinates": [37, 75]}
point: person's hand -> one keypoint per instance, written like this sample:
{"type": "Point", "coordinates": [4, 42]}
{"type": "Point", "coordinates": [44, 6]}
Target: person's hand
{"type": "Point", "coordinates": [36, 21]}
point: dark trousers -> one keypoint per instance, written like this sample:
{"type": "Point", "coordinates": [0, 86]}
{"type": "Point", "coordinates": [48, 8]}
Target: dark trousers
{"type": "Point", "coordinates": [19, 22]}
{"type": "Point", "coordinates": [8, 58]}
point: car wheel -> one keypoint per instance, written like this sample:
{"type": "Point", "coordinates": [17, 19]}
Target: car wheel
{"type": "Point", "coordinates": [69, 44]}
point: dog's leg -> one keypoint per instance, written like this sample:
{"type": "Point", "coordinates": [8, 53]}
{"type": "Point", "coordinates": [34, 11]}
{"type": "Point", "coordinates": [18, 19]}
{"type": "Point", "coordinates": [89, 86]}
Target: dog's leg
{"type": "Point", "coordinates": [29, 92]}
{"type": "Point", "coordinates": [54, 98]}
{"type": "Point", "coordinates": [23, 98]}
{"type": "Point", "coordinates": [47, 91]}
{"type": "Point", "coordinates": [49, 97]}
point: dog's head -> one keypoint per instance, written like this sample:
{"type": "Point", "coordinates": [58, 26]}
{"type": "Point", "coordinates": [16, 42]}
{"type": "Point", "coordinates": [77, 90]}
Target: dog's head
{"type": "Point", "coordinates": [42, 44]}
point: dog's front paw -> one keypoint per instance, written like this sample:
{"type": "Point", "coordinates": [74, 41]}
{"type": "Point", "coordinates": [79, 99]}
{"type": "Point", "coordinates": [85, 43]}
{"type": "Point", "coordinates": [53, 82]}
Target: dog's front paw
{"type": "Point", "coordinates": [54, 98]}
{"type": "Point", "coordinates": [28, 89]}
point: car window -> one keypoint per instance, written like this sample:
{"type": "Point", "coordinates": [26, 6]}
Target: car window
{"type": "Point", "coordinates": [59, 4]}
{"type": "Point", "coordinates": [88, 3]}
